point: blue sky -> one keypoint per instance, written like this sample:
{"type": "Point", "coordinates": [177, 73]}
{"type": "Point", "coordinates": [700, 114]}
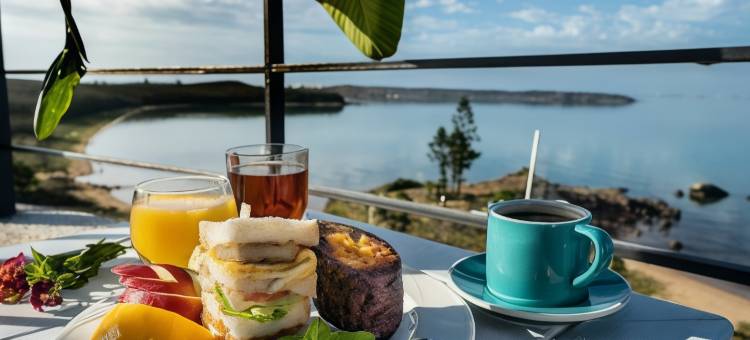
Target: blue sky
{"type": "Point", "coordinates": [211, 32]}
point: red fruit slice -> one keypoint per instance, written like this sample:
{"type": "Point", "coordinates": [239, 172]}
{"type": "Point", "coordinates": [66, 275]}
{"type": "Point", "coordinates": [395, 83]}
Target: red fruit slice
{"type": "Point", "coordinates": [187, 306]}
{"type": "Point", "coordinates": [151, 285]}
{"type": "Point", "coordinates": [156, 278]}
{"type": "Point", "coordinates": [163, 272]}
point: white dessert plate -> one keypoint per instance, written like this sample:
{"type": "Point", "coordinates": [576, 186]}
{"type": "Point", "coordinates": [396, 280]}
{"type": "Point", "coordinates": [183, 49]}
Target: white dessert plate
{"type": "Point", "coordinates": [431, 311]}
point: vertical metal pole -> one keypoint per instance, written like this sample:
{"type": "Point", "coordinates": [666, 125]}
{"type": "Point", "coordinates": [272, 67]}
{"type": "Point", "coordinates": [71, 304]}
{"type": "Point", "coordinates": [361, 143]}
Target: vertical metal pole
{"type": "Point", "coordinates": [7, 194]}
{"type": "Point", "coordinates": [273, 28]}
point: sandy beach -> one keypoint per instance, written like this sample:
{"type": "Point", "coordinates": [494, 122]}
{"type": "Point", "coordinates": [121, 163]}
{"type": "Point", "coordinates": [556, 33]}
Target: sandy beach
{"type": "Point", "coordinates": [729, 300]}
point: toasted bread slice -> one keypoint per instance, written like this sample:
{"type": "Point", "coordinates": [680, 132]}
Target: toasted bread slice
{"type": "Point", "coordinates": [270, 230]}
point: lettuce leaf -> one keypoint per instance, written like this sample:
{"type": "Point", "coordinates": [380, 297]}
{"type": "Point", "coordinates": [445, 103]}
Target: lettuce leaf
{"type": "Point", "coordinates": [319, 330]}
{"type": "Point", "coordinates": [259, 313]}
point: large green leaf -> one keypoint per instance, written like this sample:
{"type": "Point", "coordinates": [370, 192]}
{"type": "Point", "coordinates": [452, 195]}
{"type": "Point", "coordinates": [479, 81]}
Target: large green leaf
{"type": "Point", "coordinates": [61, 79]}
{"type": "Point", "coordinates": [373, 26]}
{"type": "Point", "coordinates": [56, 95]}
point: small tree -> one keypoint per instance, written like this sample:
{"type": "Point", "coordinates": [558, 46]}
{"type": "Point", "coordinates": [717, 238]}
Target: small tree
{"type": "Point", "coordinates": [440, 154]}
{"type": "Point", "coordinates": [464, 134]}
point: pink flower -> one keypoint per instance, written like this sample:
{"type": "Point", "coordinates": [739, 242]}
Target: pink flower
{"type": "Point", "coordinates": [13, 285]}
{"type": "Point", "coordinates": [43, 293]}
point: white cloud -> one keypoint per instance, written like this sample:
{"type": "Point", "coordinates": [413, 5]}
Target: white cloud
{"type": "Point", "coordinates": [657, 24]}
{"type": "Point", "coordinates": [136, 33]}
{"type": "Point", "coordinates": [455, 6]}
{"type": "Point", "coordinates": [423, 3]}
{"type": "Point", "coordinates": [532, 15]}
{"type": "Point", "coordinates": [447, 6]}
{"type": "Point", "coordinates": [667, 24]}
{"type": "Point", "coordinates": [692, 10]}
{"type": "Point", "coordinates": [672, 19]}
{"type": "Point", "coordinates": [426, 22]}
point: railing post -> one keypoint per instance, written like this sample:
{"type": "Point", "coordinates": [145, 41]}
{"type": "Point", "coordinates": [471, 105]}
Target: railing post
{"type": "Point", "coordinates": [7, 194]}
{"type": "Point", "coordinates": [273, 28]}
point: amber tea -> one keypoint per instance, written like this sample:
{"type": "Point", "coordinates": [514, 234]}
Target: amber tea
{"type": "Point", "coordinates": [271, 189]}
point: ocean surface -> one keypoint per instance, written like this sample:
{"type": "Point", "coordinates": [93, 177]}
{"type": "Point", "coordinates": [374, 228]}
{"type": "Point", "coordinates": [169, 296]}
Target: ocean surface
{"type": "Point", "coordinates": [653, 147]}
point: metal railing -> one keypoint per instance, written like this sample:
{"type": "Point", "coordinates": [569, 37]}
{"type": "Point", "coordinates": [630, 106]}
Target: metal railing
{"type": "Point", "coordinates": [274, 70]}
{"type": "Point", "coordinates": [703, 56]}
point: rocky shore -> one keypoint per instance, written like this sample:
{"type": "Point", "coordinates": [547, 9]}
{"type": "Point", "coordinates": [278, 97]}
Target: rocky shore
{"type": "Point", "coordinates": [612, 208]}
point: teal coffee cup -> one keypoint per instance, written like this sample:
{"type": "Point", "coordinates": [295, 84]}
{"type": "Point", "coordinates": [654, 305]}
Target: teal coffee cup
{"type": "Point", "coordinates": [538, 252]}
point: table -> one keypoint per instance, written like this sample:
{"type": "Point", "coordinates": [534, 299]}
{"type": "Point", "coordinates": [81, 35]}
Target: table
{"type": "Point", "coordinates": [643, 318]}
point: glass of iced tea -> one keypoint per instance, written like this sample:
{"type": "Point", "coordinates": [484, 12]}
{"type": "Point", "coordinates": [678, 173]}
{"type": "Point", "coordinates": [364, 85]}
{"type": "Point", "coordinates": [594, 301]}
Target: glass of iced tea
{"type": "Point", "coordinates": [272, 178]}
{"type": "Point", "coordinates": [166, 212]}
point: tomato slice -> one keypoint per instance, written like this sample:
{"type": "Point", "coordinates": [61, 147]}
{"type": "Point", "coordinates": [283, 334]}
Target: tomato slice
{"type": "Point", "coordinates": [261, 297]}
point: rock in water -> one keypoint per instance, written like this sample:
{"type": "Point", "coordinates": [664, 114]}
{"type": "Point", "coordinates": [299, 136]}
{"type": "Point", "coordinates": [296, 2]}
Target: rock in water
{"type": "Point", "coordinates": [675, 245]}
{"type": "Point", "coordinates": [706, 193]}
{"type": "Point", "coordinates": [679, 193]}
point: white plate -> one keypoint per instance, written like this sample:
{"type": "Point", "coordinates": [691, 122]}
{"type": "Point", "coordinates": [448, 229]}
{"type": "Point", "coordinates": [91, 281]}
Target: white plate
{"type": "Point", "coordinates": [441, 314]}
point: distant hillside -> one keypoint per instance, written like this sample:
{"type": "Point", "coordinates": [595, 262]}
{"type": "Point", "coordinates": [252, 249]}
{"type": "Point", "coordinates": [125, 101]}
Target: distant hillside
{"type": "Point", "coordinates": [422, 95]}
{"type": "Point", "coordinates": [90, 98]}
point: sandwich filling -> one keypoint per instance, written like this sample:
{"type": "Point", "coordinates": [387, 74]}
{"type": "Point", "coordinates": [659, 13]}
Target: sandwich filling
{"type": "Point", "coordinates": [240, 327]}
{"type": "Point", "coordinates": [257, 311]}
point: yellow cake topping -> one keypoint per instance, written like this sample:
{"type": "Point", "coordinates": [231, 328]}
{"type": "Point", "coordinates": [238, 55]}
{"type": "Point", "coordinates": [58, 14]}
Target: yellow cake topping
{"type": "Point", "coordinates": [365, 251]}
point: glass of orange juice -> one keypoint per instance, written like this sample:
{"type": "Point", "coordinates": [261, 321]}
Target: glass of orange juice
{"type": "Point", "coordinates": [166, 212]}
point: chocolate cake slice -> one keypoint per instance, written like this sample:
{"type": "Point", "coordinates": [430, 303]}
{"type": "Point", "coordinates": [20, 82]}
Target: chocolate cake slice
{"type": "Point", "coordinates": [359, 280]}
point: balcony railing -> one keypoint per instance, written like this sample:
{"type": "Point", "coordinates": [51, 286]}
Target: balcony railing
{"type": "Point", "coordinates": [274, 69]}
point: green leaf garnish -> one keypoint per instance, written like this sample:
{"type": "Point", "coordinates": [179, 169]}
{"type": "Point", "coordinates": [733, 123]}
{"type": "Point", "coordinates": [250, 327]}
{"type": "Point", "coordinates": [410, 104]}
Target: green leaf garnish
{"type": "Point", "coordinates": [373, 26]}
{"type": "Point", "coordinates": [73, 269]}
{"type": "Point", "coordinates": [258, 313]}
{"type": "Point", "coordinates": [319, 330]}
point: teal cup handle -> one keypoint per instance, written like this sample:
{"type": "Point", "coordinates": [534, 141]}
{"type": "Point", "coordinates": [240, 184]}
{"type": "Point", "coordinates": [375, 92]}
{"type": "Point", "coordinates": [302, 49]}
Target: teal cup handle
{"type": "Point", "coordinates": [603, 251]}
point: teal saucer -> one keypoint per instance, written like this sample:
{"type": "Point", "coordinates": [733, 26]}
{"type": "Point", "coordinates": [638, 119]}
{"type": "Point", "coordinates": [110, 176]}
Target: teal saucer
{"type": "Point", "coordinates": [607, 294]}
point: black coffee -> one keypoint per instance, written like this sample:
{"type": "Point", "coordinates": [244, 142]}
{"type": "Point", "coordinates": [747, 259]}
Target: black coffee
{"type": "Point", "coordinates": [537, 217]}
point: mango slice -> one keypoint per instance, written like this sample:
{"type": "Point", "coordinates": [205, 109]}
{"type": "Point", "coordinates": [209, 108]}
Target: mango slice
{"type": "Point", "coordinates": [129, 321]}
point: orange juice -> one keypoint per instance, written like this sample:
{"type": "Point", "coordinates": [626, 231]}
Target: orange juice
{"type": "Point", "coordinates": [165, 228]}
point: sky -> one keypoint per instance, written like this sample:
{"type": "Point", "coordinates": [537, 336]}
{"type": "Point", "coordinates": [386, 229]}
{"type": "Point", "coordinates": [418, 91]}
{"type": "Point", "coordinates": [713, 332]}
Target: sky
{"type": "Point", "coordinates": [229, 32]}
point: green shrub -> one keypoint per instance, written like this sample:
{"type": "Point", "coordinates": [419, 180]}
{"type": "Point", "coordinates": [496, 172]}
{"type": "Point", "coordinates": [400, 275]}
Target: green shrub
{"type": "Point", "coordinates": [401, 184]}
{"type": "Point", "coordinates": [23, 177]}
{"type": "Point", "coordinates": [505, 195]}
{"type": "Point", "coordinates": [639, 282]}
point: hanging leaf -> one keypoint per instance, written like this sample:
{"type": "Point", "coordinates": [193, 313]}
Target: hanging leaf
{"type": "Point", "coordinates": [373, 26]}
{"type": "Point", "coordinates": [61, 79]}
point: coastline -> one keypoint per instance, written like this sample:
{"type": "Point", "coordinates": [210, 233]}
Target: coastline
{"type": "Point", "coordinates": [101, 195]}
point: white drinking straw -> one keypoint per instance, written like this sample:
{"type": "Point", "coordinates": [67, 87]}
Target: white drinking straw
{"type": "Point", "coordinates": [532, 163]}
